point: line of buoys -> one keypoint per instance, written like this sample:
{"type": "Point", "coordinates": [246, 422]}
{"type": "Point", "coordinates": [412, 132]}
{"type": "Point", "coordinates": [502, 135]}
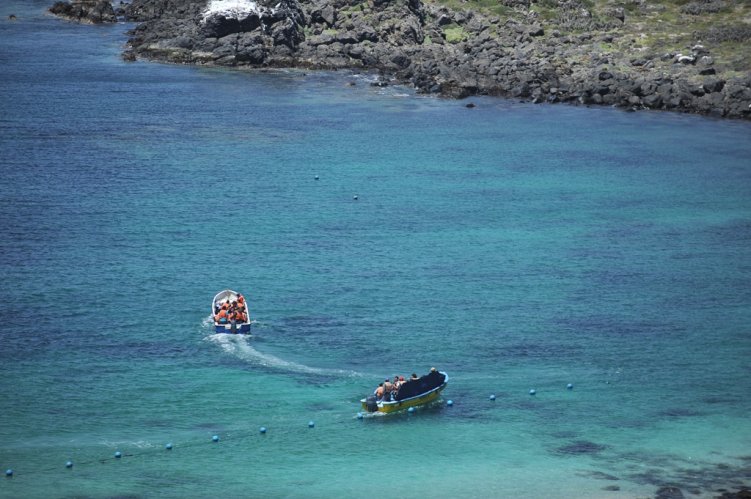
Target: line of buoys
{"type": "Point", "coordinates": [262, 430]}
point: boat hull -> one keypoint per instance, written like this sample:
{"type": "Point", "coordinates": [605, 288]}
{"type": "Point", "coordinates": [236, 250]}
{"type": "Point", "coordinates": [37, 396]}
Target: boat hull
{"type": "Point", "coordinates": [400, 405]}
{"type": "Point", "coordinates": [243, 328]}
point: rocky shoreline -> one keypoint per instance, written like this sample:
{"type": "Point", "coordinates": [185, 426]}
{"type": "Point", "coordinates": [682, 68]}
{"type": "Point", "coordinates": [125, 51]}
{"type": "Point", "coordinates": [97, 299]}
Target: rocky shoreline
{"type": "Point", "coordinates": [579, 58]}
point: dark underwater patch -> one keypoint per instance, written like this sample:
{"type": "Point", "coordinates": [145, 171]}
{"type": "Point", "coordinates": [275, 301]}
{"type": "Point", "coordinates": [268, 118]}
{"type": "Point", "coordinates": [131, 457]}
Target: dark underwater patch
{"type": "Point", "coordinates": [581, 447]}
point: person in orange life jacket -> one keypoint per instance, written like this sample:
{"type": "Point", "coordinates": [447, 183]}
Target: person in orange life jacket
{"type": "Point", "coordinates": [222, 316]}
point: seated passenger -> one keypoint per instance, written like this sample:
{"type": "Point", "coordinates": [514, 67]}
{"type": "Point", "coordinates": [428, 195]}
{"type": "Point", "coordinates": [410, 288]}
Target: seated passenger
{"type": "Point", "coordinates": [379, 391]}
{"type": "Point", "coordinates": [414, 377]}
{"type": "Point", "coordinates": [221, 316]}
{"type": "Point", "coordinates": [388, 387]}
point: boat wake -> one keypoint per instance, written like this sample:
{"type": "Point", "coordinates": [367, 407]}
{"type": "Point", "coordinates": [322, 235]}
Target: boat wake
{"type": "Point", "coordinates": [239, 346]}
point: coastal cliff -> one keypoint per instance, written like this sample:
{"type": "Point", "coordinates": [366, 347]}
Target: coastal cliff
{"type": "Point", "coordinates": [677, 55]}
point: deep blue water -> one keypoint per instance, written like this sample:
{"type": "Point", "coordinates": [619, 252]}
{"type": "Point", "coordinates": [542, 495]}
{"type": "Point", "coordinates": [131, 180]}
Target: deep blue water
{"type": "Point", "coordinates": [514, 246]}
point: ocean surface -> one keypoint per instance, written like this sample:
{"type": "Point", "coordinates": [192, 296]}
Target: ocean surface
{"type": "Point", "coordinates": [375, 232]}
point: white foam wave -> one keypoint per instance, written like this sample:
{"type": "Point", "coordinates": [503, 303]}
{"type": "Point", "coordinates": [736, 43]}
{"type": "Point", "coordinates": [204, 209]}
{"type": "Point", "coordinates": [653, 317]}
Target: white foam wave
{"type": "Point", "coordinates": [239, 346]}
{"type": "Point", "coordinates": [231, 9]}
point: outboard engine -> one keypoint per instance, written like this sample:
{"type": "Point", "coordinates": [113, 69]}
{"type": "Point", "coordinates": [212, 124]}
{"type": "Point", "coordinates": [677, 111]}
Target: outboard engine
{"type": "Point", "coordinates": [371, 403]}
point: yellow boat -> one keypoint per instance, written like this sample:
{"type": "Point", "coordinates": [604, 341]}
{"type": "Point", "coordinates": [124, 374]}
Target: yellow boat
{"type": "Point", "coordinates": [412, 393]}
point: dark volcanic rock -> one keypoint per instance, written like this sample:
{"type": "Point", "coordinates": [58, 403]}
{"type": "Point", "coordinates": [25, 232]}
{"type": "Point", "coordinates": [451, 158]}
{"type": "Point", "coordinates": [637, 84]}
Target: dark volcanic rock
{"type": "Point", "coordinates": [449, 52]}
{"type": "Point", "coordinates": [85, 11]}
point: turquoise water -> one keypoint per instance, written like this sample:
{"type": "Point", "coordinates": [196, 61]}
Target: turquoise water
{"type": "Point", "coordinates": [514, 246]}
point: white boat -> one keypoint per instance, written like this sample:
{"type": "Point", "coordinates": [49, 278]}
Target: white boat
{"type": "Point", "coordinates": [226, 325]}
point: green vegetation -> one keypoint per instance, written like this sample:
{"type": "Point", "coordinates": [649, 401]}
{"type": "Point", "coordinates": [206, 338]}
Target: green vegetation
{"type": "Point", "coordinates": [454, 33]}
{"type": "Point", "coordinates": [653, 26]}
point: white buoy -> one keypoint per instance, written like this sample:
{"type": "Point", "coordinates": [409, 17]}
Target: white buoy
{"type": "Point", "coordinates": [168, 446]}
{"type": "Point", "coordinates": [118, 455]}
{"type": "Point", "coordinates": [532, 391]}
{"type": "Point", "coordinates": [359, 415]}
{"type": "Point", "coordinates": [69, 464]}
{"type": "Point", "coordinates": [411, 410]}
{"type": "Point", "coordinates": [263, 429]}
{"type": "Point", "coordinates": [215, 438]}
{"type": "Point", "coordinates": [311, 424]}
{"type": "Point", "coordinates": [316, 177]}
{"type": "Point", "coordinates": [569, 386]}
{"type": "Point", "coordinates": [450, 403]}
{"type": "Point", "coordinates": [355, 197]}
{"type": "Point", "coordinates": [492, 397]}
{"type": "Point", "coordinates": [9, 472]}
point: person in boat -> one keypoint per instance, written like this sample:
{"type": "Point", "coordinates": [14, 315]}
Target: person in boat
{"type": "Point", "coordinates": [238, 315]}
{"type": "Point", "coordinates": [388, 387]}
{"type": "Point", "coordinates": [379, 392]}
{"type": "Point", "coordinates": [222, 316]}
{"type": "Point", "coordinates": [396, 383]}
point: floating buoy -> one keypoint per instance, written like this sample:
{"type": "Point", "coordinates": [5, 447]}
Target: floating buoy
{"type": "Point", "coordinates": [118, 455]}
{"type": "Point", "coordinates": [569, 386]}
{"type": "Point", "coordinates": [411, 410]}
{"type": "Point", "coordinates": [215, 438]}
{"type": "Point", "coordinates": [492, 397]}
{"type": "Point", "coordinates": [9, 472]}
{"type": "Point", "coordinates": [450, 403]}
{"type": "Point", "coordinates": [311, 424]}
{"type": "Point", "coordinates": [355, 197]}
{"type": "Point", "coordinates": [262, 429]}
{"type": "Point", "coordinates": [69, 464]}
{"type": "Point", "coordinates": [316, 177]}
{"type": "Point", "coordinates": [359, 415]}
{"type": "Point", "coordinates": [532, 391]}
{"type": "Point", "coordinates": [168, 446]}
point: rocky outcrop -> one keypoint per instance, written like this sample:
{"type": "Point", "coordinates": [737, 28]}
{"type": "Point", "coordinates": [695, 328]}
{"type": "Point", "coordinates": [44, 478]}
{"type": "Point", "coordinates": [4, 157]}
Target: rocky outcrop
{"type": "Point", "coordinates": [85, 11]}
{"type": "Point", "coordinates": [452, 53]}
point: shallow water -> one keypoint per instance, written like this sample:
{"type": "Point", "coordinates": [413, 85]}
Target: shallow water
{"type": "Point", "coordinates": [514, 246]}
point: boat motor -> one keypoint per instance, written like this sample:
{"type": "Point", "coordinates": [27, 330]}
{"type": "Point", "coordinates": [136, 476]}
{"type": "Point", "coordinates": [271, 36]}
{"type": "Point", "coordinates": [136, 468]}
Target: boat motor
{"type": "Point", "coordinates": [371, 403]}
